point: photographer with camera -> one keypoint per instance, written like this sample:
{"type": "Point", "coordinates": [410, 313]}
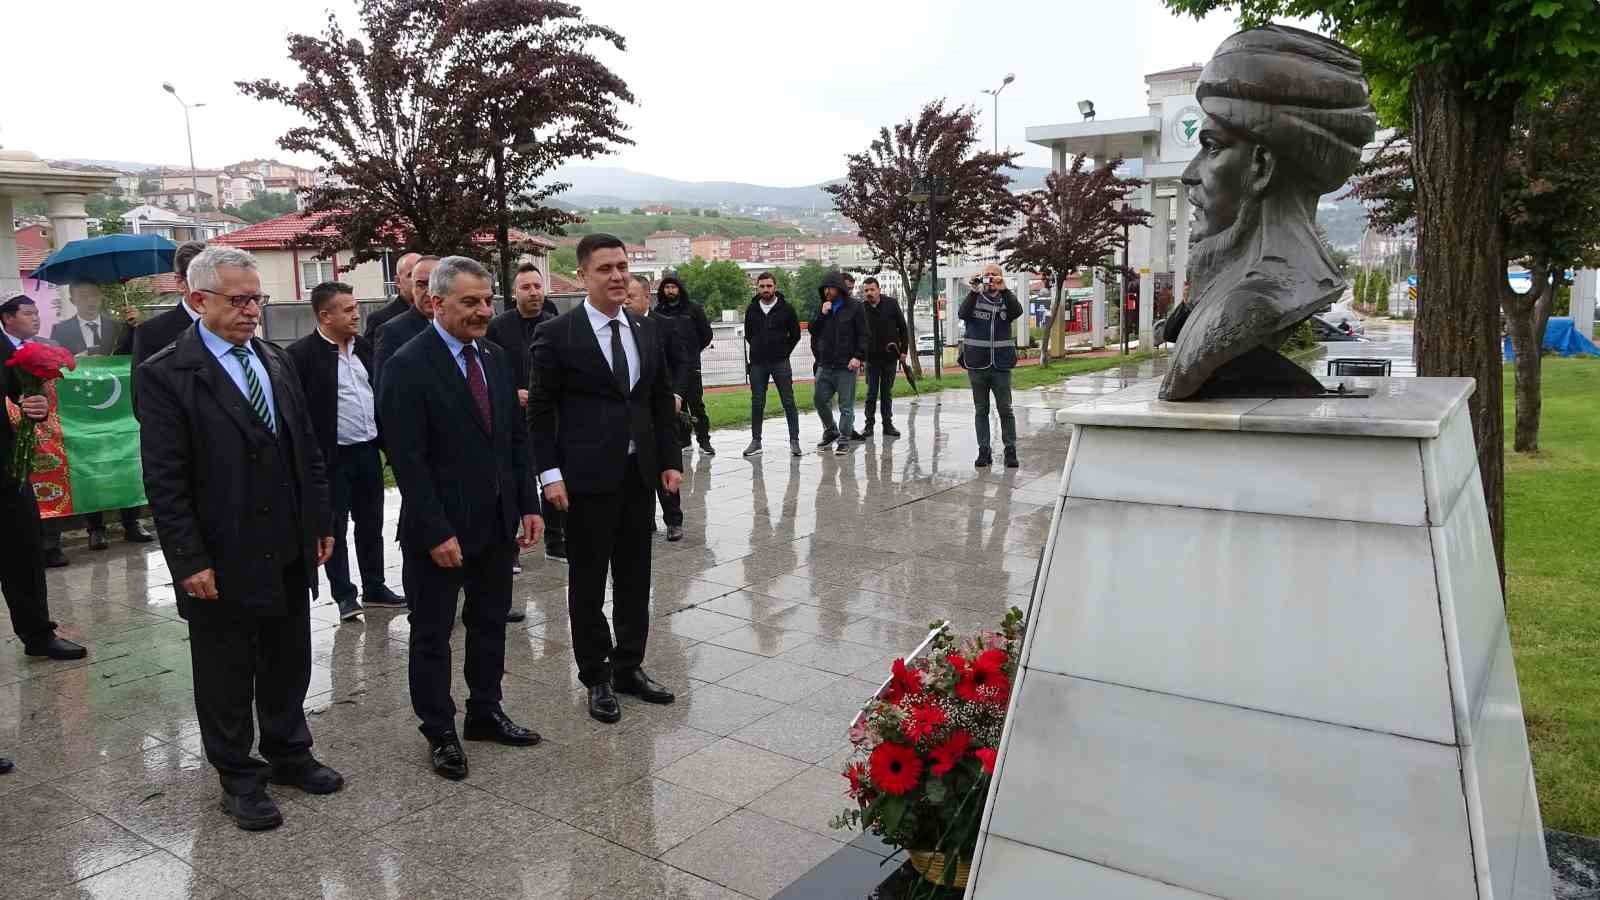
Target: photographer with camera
{"type": "Point", "coordinates": [989, 353]}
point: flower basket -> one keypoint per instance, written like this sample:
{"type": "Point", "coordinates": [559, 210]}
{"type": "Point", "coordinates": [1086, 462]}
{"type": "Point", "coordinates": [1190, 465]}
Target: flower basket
{"type": "Point", "coordinates": [925, 748]}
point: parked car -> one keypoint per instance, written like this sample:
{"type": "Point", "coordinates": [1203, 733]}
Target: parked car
{"type": "Point", "coordinates": [924, 345]}
{"type": "Point", "coordinates": [1325, 331]}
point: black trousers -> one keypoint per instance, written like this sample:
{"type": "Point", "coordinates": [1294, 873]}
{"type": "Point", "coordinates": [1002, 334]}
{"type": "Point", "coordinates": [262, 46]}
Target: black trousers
{"type": "Point", "coordinates": [22, 565]}
{"type": "Point", "coordinates": [431, 592]}
{"type": "Point", "coordinates": [355, 488]}
{"type": "Point", "coordinates": [613, 535]}
{"type": "Point", "coordinates": [671, 507]}
{"type": "Point", "coordinates": [248, 669]}
{"type": "Point", "coordinates": [880, 388]}
{"type": "Point", "coordinates": [694, 400]}
{"type": "Point", "coordinates": [94, 521]}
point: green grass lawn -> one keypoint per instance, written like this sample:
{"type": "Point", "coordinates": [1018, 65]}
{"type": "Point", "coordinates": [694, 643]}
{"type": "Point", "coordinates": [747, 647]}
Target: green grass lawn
{"type": "Point", "coordinates": [728, 409]}
{"type": "Point", "coordinates": [1553, 591]}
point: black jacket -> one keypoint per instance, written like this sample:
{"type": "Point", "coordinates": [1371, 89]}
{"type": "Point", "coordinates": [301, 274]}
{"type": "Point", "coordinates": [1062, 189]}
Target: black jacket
{"type": "Point", "coordinates": [10, 390]}
{"type": "Point", "coordinates": [840, 335]}
{"type": "Point", "coordinates": [772, 336]}
{"type": "Point", "coordinates": [684, 322]}
{"type": "Point", "coordinates": [383, 316]}
{"type": "Point", "coordinates": [391, 337]}
{"type": "Point", "coordinates": [886, 325]}
{"type": "Point", "coordinates": [150, 337]}
{"type": "Point", "coordinates": [456, 479]}
{"type": "Point", "coordinates": [317, 361]}
{"type": "Point", "coordinates": [208, 463]}
{"type": "Point", "coordinates": [116, 338]}
{"type": "Point", "coordinates": [515, 333]}
{"type": "Point", "coordinates": [581, 420]}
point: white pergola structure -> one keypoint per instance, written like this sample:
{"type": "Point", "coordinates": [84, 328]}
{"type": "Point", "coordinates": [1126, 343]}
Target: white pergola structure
{"type": "Point", "coordinates": [24, 176]}
{"type": "Point", "coordinates": [1165, 139]}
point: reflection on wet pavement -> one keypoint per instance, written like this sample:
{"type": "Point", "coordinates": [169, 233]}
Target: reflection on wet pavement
{"type": "Point", "coordinates": [798, 582]}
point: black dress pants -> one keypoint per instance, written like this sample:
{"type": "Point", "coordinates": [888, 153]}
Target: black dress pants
{"type": "Point", "coordinates": [250, 668]}
{"type": "Point", "coordinates": [694, 401]}
{"type": "Point", "coordinates": [432, 591]}
{"type": "Point", "coordinates": [611, 534]}
{"type": "Point", "coordinates": [22, 564]}
{"type": "Point", "coordinates": [355, 488]}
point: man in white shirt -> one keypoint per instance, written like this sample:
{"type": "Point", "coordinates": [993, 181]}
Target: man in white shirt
{"type": "Point", "coordinates": [334, 363]}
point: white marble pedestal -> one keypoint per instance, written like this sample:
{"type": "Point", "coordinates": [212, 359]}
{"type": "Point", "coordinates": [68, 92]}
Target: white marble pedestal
{"type": "Point", "coordinates": [1268, 659]}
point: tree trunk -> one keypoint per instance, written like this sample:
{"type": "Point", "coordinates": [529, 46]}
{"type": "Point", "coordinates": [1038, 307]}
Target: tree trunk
{"type": "Point", "coordinates": [1458, 143]}
{"type": "Point", "coordinates": [911, 317]}
{"type": "Point", "coordinates": [1053, 322]}
{"type": "Point", "coordinates": [1527, 316]}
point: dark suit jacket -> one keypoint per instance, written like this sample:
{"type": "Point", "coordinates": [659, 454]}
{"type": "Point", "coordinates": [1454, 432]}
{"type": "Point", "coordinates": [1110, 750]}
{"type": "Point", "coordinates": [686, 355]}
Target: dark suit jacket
{"type": "Point", "coordinates": [455, 478]}
{"type": "Point", "coordinates": [116, 338]}
{"type": "Point", "coordinates": [207, 473]}
{"type": "Point", "coordinates": [579, 418]}
{"type": "Point", "coordinates": [317, 363]}
{"type": "Point", "coordinates": [383, 316]}
{"type": "Point", "coordinates": [392, 336]}
{"type": "Point", "coordinates": [150, 337]}
{"type": "Point", "coordinates": [508, 330]}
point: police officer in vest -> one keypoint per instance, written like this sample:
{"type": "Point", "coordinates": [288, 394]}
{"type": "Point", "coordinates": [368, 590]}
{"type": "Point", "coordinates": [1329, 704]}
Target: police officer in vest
{"type": "Point", "coordinates": [989, 353]}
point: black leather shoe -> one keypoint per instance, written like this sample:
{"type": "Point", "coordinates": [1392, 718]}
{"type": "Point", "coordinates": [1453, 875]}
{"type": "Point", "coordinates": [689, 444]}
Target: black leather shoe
{"type": "Point", "coordinates": [674, 533]}
{"type": "Point", "coordinates": [890, 431]}
{"type": "Point", "coordinates": [708, 450]}
{"type": "Point", "coordinates": [449, 759]}
{"type": "Point", "coordinates": [1011, 458]}
{"type": "Point", "coordinates": [6, 765]}
{"type": "Point", "coordinates": [500, 729]}
{"type": "Point", "coordinates": [857, 436]}
{"type": "Point", "coordinates": [867, 431]}
{"type": "Point", "coordinates": [54, 558]}
{"type": "Point", "coordinates": [828, 437]}
{"type": "Point", "coordinates": [603, 704]}
{"type": "Point", "coordinates": [137, 533]}
{"type": "Point", "coordinates": [312, 777]}
{"type": "Point", "coordinates": [640, 685]}
{"type": "Point", "coordinates": [382, 596]}
{"type": "Point", "coordinates": [97, 540]}
{"type": "Point", "coordinates": [984, 461]}
{"type": "Point", "coordinates": [513, 616]}
{"type": "Point", "coordinates": [56, 648]}
{"type": "Point", "coordinates": [252, 812]}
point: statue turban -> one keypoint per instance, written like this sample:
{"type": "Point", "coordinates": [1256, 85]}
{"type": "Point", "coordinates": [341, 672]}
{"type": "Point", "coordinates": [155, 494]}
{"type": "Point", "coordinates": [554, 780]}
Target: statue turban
{"type": "Point", "coordinates": [1300, 94]}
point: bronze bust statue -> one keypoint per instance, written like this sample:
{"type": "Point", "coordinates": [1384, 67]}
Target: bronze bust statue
{"type": "Point", "coordinates": [1287, 113]}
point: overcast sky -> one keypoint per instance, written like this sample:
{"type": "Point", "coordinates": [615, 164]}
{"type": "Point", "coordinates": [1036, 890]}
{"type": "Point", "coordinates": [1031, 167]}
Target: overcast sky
{"type": "Point", "coordinates": [728, 90]}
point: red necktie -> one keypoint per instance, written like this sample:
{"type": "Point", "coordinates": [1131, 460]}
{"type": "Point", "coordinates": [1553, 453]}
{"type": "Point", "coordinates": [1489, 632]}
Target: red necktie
{"type": "Point", "coordinates": [478, 386]}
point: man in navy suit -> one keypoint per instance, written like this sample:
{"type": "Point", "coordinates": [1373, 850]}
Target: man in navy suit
{"type": "Point", "coordinates": [452, 427]}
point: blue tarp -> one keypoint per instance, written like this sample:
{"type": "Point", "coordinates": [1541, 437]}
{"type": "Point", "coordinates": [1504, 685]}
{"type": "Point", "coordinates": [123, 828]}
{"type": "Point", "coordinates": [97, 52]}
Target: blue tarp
{"type": "Point", "coordinates": [1562, 339]}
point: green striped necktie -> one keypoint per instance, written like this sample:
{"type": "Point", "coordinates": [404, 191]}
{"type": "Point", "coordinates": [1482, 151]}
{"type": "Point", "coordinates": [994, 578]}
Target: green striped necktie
{"type": "Point", "coordinates": [258, 397]}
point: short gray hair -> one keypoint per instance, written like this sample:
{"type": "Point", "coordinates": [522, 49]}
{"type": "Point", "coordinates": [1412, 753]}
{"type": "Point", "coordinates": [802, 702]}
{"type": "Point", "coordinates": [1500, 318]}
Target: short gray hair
{"type": "Point", "coordinates": [202, 274]}
{"type": "Point", "coordinates": [444, 274]}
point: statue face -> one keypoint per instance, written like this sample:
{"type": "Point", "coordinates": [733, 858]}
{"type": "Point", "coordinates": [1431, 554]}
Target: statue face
{"type": "Point", "coordinates": [1221, 178]}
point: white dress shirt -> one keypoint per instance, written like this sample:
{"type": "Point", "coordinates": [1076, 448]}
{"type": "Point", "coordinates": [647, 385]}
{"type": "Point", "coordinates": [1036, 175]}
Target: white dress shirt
{"type": "Point", "coordinates": [601, 323]}
{"type": "Point", "coordinates": [91, 339]}
{"type": "Point", "coordinates": [455, 347]}
{"type": "Point", "coordinates": [357, 420]}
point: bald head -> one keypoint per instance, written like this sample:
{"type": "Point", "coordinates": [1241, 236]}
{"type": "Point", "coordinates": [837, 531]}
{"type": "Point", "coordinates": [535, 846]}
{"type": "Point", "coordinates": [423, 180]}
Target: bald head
{"type": "Point", "coordinates": [402, 274]}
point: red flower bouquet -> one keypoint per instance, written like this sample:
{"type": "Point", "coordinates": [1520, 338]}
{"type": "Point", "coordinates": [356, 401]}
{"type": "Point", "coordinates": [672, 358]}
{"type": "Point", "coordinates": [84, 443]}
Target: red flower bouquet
{"type": "Point", "coordinates": [925, 746]}
{"type": "Point", "coordinates": [34, 364]}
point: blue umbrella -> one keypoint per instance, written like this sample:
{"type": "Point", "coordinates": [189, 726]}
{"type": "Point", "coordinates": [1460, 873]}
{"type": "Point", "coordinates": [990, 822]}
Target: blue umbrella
{"type": "Point", "coordinates": [115, 257]}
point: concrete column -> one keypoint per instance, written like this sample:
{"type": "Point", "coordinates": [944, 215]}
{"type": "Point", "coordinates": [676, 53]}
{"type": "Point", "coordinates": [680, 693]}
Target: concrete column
{"type": "Point", "coordinates": [1180, 268]}
{"type": "Point", "coordinates": [1155, 261]}
{"type": "Point", "coordinates": [1583, 300]}
{"type": "Point", "coordinates": [1097, 296]}
{"type": "Point", "coordinates": [10, 280]}
{"type": "Point", "coordinates": [1161, 224]}
{"type": "Point", "coordinates": [68, 219]}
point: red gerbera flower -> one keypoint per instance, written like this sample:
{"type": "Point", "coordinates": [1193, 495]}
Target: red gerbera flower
{"type": "Point", "coordinates": [986, 756]}
{"type": "Point", "coordinates": [946, 755]}
{"type": "Point", "coordinates": [903, 681]}
{"type": "Point", "coordinates": [984, 686]}
{"type": "Point", "coordinates": [895, 768]}
{"type": "Point", "coordinates": [922, 720]}
{"type": "Point", "coordinates": [991, 661]}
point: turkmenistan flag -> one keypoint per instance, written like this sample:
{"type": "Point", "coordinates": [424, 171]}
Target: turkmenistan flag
{"type": "Point", "coordinates": [88, 457]}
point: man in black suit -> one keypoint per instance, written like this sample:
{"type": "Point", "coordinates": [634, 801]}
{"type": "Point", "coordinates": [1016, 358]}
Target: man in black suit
{"type": "Point", "coordinates": [397, 331]}
{"type": "Point", "coordinates": [453, 431]}
{"type": "Point", "coordinates": [638, 303]}
{"type": "Point", "coordinates": [234, 475]}
{"type": "Point", "coordinates": [335, 368]}
{"type": "Point", "coordinates": [22, 559]}
{"type": "Point", "coordinates": [513, 330]}
{"type": "Point", "coordinates": [90, 333]}
{"type": "Point", "coordinates": [402, 300]}
{"type": "Point", "coordinates": [162, 330]}
{"type": "Point", "coordinates": [601, 417]}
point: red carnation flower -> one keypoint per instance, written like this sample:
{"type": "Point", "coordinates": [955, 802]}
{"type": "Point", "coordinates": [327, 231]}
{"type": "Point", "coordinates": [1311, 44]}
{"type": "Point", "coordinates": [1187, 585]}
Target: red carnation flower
{"type": "Point", "coordinates": [946, 755]}
{"type": "Point", "coordinates": [895, 768]}
{"type": "Point", "coordinates": [958, 663]}
{"type": "Point", "coordinates": [986, 756]}
{"type": "Point", "coordinates": [42, 361]}
{"type": "Point", "coordinates": [921, 722]}
{"type": "Point", "coordinates": [902, 682]}
{"type": "Point", "coordinates": [991, 661]}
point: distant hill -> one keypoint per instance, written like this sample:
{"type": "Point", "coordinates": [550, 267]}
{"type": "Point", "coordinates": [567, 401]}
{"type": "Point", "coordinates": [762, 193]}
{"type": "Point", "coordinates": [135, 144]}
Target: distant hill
{"type": "Point", "coordinates": [120, 165]}
{"type": "Point", "coordinates": [633, 229]}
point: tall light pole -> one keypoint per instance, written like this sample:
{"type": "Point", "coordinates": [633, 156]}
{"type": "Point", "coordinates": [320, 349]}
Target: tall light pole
{"type": "Point", "coordinates": [194, 179]}
{"type": "Point", "coordinates": [1010, 77]}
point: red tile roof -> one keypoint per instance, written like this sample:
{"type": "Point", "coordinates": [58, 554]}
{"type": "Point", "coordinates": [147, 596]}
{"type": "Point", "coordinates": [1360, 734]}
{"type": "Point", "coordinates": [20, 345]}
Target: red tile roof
{"type": "Point", "coordinates": [561, 284]}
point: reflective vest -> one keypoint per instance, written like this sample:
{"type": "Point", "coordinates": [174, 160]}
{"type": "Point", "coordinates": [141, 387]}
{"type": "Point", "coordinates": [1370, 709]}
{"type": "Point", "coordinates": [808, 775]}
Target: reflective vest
{"type": "Point", "coordinates": [986, 338]}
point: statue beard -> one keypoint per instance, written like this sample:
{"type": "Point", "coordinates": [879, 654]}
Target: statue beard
{"type": "Point", "coordinates": [1211, 256]}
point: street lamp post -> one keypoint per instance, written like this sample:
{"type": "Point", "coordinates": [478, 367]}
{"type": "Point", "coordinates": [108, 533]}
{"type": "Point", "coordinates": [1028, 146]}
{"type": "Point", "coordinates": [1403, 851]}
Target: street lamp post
{"type": "Point", "coordinates": [194, 178]}
{"type": "Point", "coordinates": [1122, 302]}
{"type": "Point", "coordinates": [926, 190]}
{"type": "Point", "coordinates": [1010, 77]}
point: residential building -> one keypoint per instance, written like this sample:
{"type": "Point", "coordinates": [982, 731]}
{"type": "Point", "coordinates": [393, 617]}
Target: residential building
{"type": "Point", "coordinates": [207, 181]}
{"type": "Point", "coordinates": [711, 247]}
{"type": "Point", "coordinates": [272, 170]}
{"type": "Point", "coordinates": [181, 199]}
{"type": "Point", "coordinates": [782, 249]}
{"type": "Point", "coordinates": [744, 249]}
{"type": "Point", "coordinates": [671, 247]}
{"type": "Point", "coordinates": [639, 253]}
{"type": "Point", "coordinates": [850, 250]}
{"type": "Point", "coordinates": [658, 209]}
{"type": "Point", "coordinates": [180, 226]}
